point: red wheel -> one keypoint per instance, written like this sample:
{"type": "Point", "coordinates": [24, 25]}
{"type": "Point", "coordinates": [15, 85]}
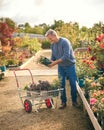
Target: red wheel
{"type": "Point", "coordinates": [27, 106]}
{"type": "Point", "coordinates": [49, 102]}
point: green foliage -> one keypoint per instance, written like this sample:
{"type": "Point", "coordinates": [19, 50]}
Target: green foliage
{"type": "Point", "coordinates": [3, 60]}
{"type": "Point", "coordinates": [45, 44]}
{"type": "Point", "coordinates": [78, 36]}
{"type": "Point", "coordinates": [38, 30]}
{"type": "Point", "coordinates": [32, 44]}
{"type": "Point", "coordinates": [56, 83]}
{"type": "Point", "coordinates": [12, 61]}
{"type": "Point", "coordinates": [44, 60]}
{"type": "Point", "coordinates": [11, 23]}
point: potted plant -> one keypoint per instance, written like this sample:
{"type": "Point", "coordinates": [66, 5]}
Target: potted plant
{"type": "Point", "coordinates": [44, 60]}
{"type": "Point", "coordinates": [81, 73]}
{"type": "Point", "coordinates": [3, 63]}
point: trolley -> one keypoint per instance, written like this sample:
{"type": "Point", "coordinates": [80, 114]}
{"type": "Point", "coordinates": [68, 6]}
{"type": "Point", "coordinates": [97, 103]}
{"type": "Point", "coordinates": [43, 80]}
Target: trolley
{"type": "Point", "coordinates": [34, 98]}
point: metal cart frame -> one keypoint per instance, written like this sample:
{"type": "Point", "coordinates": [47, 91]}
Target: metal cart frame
{"type": "Point", "coordinates": [34, 98]}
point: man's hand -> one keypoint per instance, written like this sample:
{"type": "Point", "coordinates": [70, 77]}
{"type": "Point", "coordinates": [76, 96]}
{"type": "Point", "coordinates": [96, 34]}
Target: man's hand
{"type": "Point", "coordinates": [53, 63]}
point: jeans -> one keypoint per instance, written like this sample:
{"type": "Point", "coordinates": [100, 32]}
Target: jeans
{"type": "Point", "coordinates": [63, 73]}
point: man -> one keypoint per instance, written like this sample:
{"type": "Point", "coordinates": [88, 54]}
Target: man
{"type": "Point", "coordinates": [63, 56]}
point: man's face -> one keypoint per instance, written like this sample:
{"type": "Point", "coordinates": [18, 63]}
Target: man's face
{"type": "Point", "coordinates": [52, 38]}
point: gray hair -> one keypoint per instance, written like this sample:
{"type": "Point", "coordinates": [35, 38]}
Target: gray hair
{"type": "Point", "coordinates": [50, 32]}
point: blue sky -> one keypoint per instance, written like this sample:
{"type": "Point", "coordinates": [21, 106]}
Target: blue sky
{"type": "Point", "coordinates": [85, 12]}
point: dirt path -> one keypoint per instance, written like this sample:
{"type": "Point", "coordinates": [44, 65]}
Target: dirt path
{"type": "Point", "coordinates": [14, 117]}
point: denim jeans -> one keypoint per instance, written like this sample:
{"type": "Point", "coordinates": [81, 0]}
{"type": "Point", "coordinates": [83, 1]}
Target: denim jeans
{"type": "Point", "coordinates": [63, 73]}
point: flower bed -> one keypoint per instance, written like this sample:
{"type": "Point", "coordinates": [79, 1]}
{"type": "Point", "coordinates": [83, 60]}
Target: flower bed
{"type": "Point", "coordinates": [88, 109]}
{"type": "Point", "coordinates": [92, 74]}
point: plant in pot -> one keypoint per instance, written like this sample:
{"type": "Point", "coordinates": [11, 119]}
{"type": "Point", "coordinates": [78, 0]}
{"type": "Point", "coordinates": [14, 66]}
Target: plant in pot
{"type": "Point", "coordinates": [3, 63]}
{"type": "Point", "coordinates": [13, 62]}
{"type": "Point", "coordinates": [81, 73]}
{"type": "Point", "coordinates": [44, 60]}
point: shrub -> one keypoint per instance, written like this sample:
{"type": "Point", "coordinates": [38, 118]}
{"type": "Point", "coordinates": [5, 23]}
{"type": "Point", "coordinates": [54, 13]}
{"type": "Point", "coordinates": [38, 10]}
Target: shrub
{"type": "Point", "coordinates": [45, 44]}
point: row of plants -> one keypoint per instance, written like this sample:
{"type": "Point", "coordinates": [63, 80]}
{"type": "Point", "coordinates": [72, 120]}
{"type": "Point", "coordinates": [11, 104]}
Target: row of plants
{"type": "Point", "coordinates": [43, 85]}
{"type": "Point", "coordinates": [15, 50]}
{"type": "Point", "coordinates": [90, 73]}
{"type": "Point", "coordinates": [22, 49]}
{"type": "Point", "coordinates": [69, 30]}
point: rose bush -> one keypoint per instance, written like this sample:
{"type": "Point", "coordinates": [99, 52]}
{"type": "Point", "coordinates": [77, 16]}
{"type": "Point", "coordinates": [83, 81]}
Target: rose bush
{"type": "Point", "coordinates": [97, 51]}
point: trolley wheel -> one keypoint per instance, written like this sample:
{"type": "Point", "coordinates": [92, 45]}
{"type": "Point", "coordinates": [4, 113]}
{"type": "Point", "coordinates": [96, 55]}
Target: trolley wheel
{"type": "Point", "coordinates": [49, 102]}
{"type": "Point", "coordinates": [27, 106]}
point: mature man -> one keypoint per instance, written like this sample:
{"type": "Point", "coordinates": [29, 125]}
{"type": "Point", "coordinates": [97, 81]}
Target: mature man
{"type": "Point", "coordinates": [62, 54]}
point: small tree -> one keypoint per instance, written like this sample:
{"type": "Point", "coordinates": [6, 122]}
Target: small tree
{"type": "Point", "coordinates": [6, 33]}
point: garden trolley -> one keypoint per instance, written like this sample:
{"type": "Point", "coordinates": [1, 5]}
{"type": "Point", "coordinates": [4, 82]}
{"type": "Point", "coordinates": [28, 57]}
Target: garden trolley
{"type": "Point", "coordinates": [33, 98]}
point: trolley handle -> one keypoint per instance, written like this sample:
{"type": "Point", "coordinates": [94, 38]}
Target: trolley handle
{"type": "Point", "coordinates": [22, 70]}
